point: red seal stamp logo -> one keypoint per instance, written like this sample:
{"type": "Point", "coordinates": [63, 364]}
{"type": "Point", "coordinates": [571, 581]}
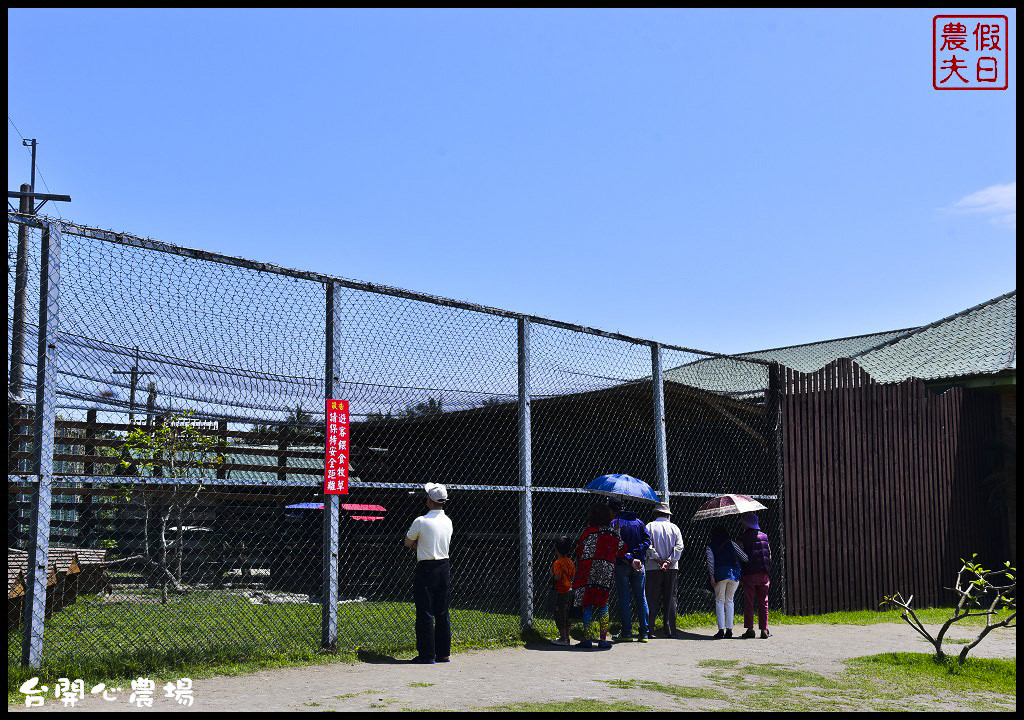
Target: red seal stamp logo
{"type": "Point", "coordinates": [970, 52]}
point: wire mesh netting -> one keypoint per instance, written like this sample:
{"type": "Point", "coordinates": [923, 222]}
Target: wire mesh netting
{"type": "Point", "coordinates": [188, 453]}
{"type": "Point", "coordinates": [590, 417]}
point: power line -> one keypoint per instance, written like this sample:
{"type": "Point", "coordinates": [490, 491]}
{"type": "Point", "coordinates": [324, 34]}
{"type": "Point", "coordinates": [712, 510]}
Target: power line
{"type": "Point", "coordinates": [15, 127]}
{"type": "Point", "coordinates": [36, 166]}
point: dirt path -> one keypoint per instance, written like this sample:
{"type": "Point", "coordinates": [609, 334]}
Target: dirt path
{"type": "Point", "coordinates": [546, 673]}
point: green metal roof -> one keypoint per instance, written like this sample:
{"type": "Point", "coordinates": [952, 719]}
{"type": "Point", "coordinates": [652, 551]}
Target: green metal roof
{"type": "Point", "coordinates": [814, 356]}
{"type": "Point", "coordinates": [981, 340]}
{"type": "Point", "coordinates": [736, 378]}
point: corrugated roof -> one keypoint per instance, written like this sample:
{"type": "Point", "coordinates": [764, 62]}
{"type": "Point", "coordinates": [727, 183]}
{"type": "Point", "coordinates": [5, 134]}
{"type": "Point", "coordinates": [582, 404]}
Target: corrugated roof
{"type": "Point", "coordinates": [981, 340]}
{"type": "Point", "coordinates": [735, 378]}
{"type": "Point", "coordinates": [58, 559]}
{"type": "Point", "coordinates": [814, 356]}
{"type": "Point", "coordinates": [724, 376]}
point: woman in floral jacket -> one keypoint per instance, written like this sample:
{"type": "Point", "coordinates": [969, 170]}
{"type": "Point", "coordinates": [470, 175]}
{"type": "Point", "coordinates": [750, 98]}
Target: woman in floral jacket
{"type": "Point", "coordinates": [596, 552]}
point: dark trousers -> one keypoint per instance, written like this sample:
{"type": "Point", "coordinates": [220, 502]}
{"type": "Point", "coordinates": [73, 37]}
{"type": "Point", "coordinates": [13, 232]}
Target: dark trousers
{"type": "Point", "coordinates": [661, 598]}
{"type": "Point", "coordinates": [562, 601]}
{"type": "Point", "coordinates": [433, 628]}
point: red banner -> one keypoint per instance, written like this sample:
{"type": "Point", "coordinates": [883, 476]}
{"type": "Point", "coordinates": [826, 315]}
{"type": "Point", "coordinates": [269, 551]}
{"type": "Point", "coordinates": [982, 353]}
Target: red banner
{"type": "Point", "coordinates": [337, 452]}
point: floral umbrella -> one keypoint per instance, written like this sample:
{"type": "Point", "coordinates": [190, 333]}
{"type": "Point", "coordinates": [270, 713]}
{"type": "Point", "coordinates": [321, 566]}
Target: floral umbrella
{"type": "Point", "coordinates": [727, 505]}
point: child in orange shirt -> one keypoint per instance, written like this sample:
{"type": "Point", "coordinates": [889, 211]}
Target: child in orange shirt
{"type": "Point", "coordinates": [562, 572]}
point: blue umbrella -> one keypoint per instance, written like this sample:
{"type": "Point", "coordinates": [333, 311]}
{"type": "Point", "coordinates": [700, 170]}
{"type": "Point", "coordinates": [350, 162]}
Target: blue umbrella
{"type": "Point", "coordinates": [623, 487]}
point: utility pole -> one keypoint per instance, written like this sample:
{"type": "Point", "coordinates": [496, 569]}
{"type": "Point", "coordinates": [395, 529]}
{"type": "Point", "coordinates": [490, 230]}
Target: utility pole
{"type": "Point", "coordinates": [27, 197]}
{"type": "Point", "coordinates": [134, 372]}
{"type": "Point", "coordinates": [32, 203]}
{"type": "Point", "coordinates": [17, 376]}
{"type": "Point", "coordinates": [151, 404]}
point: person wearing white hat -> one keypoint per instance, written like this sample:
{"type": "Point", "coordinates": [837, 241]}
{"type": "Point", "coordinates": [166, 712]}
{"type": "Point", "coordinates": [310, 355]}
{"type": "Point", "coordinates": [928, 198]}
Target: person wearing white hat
{"type": "Point", "coordinates": [429, 535]}
{"type": "Point", "coordinates": [663, 569]}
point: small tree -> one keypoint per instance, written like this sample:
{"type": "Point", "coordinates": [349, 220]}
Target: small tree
{"type": "Point", "coordinates": [299, 428]}
{"type": "Point", "coordinates": [432, 406]}
{"type": "Point", "coordinates": [174, 449]}
{"type": "Point", "coordinates": [983, 593]}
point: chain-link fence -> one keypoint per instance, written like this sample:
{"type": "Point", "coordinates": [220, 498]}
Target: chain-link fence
{"type": "Point", "coordinates": [166, 459]}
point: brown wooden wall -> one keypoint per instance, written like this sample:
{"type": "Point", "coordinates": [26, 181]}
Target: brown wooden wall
{"type": "Point", "coordinates": [885, 487]}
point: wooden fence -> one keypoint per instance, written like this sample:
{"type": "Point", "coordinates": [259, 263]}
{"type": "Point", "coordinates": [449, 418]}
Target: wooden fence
{"type": "Point", "coordinates": [262, 471]}
{"type": "Point", "coordinates": [90, 448]}
{"type": "Point", "coordinates": [886, 487]}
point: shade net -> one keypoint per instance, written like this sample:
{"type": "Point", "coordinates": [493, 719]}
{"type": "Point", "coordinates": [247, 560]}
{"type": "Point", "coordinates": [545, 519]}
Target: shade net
{"type": "Point", "coordinates": [188, 454]}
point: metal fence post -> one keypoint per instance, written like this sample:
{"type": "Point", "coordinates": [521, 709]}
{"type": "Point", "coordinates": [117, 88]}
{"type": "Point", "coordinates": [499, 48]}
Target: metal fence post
{"type": "Point", "coordinates": [660, 446]}
{"type": "Point", "coordinates": [332, 503]}
{"type": "Point", "coordinates": [42, 463]}
{"type": "Point", "coordinates": [525, 480]}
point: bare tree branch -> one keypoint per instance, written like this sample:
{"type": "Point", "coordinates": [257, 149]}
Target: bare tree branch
{"type": "Point", "coordinates": [973, 584]}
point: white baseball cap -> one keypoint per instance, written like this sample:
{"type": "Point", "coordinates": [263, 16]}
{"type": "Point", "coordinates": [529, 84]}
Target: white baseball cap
{"type": "Point", "coordinates": [436, 492]}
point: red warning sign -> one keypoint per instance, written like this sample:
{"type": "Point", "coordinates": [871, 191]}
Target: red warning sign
{"type": "Point", "coordinates": [337, 452]}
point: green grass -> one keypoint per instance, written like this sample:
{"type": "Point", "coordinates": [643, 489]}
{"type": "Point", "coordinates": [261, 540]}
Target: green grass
{"type": "Point", "coordinates": [890, 681]}
{"type": "Point", "coordinates": [206, 634]}
{"type": "Point", "coordinates": [886, 682]}
{"type": "Point", "coordinates": [209, 633]}
{"type": "Point", "coordinates": [578, 705]}
{"type": "Point", "coordinates": [929, 616]}
{"type": "Point", "coordinates": [348, 696]}
{"type": "Point", "coordinates": [683, 692]}
{"type": "Point", "coordinates": [977, 675]}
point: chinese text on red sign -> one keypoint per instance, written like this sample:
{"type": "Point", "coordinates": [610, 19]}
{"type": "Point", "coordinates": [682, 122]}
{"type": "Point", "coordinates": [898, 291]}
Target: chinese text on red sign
{"type": "Point", "coordinates": [336, 461]}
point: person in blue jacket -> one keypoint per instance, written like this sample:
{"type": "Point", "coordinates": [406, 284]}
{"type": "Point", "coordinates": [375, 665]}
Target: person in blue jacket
{"type": "Point", "coordinates": [724, 558]}
{"type": "Point", "coordinates": [630, 581]}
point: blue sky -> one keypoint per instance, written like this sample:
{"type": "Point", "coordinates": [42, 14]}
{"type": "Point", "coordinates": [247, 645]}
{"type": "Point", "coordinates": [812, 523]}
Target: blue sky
{"type": "Point", "coordinates": [725, 180]}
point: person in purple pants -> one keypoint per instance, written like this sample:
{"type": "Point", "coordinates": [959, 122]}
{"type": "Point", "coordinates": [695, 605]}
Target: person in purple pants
{"type": "Point", "coordinates": [754, 576]}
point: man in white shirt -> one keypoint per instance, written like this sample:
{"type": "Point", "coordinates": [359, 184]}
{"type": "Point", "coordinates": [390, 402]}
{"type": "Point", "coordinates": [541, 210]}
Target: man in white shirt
{"type": "Point", "coordinates": [429, 535]}
{"type": "Point", "coordinates": [663, 569]}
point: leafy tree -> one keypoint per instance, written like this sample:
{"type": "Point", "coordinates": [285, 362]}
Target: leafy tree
{"type": "Point", "coordinates": [983, 593]}
{"type": "Point", "coordinates": [175, 449]}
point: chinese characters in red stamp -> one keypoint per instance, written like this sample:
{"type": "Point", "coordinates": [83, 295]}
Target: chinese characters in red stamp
{"type": "Point", "coordinates": [970, 52]}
